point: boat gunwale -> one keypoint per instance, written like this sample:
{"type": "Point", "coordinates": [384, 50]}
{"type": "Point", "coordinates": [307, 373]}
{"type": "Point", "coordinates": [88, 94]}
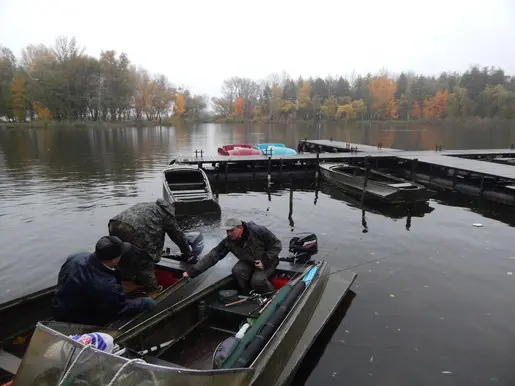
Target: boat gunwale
{"type": "Point", "coordinates": [172, 309]}
{"type": "Point", "coordinates": [286, 380]}
{"type": "Point", "coordinates": [277, 338]}
{"type": "Point", "coordinates": [180, 370]}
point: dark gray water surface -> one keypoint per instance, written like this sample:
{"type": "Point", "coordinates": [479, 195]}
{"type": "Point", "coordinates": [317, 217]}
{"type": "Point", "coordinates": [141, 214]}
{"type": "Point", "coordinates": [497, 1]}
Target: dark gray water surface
{"type": "Point", "coordinates": [435, 307]}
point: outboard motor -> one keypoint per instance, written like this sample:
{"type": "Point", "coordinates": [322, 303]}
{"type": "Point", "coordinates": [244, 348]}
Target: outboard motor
{"type": "Point", "coordinates": [303, 247]}
{"type": "Point", "coordinates": [196, 242]}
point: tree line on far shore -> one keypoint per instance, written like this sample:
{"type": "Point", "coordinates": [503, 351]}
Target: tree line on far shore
{"type": "Point", "coordinates": [62, 83]}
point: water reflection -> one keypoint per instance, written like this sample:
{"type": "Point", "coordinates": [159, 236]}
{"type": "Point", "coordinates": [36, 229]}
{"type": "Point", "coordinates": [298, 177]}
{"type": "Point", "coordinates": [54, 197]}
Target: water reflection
{"type": "Point", "coordinates": [444, 294]}
{"type": "Point", "coordinates": [392, 211]}
{"type": "Point", "coordinates": [485, 208]}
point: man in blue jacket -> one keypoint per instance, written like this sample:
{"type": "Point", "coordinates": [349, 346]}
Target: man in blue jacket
{"type": "Point", "coordinates": [89, 289]}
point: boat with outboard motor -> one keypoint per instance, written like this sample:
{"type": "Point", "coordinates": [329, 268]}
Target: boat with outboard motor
{"type": "Point", "coordinates": [212, 337]}
{"type": "Point", "coordinates": [188, 189]}
{"type": "Point", "coordinates": [19, 317]}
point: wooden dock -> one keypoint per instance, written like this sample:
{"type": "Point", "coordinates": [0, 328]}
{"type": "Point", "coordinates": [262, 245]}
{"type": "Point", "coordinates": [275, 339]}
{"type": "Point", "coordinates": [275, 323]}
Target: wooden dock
{"type": "Point", "coordinates": [464, 165]}
{"type": "Point", "coordinates": [336, 151]}
{"type": "Point", "coordinates": [477, 172]}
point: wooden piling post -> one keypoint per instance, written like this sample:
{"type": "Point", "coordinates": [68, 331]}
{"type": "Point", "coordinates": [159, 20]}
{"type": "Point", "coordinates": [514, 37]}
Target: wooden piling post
{"type": "Point", "coordinates": [367, 172]}
{"type": "Point", "coordinates": [290, 213]}
{"type": "Point", "coordinates": [281, 164]}
{"type": "Point", "coordinates": [482, 186]}
{"type": "Point", "coordinates": [226, 166]}
{"type": "Point", "coordinates": [269, 177]}
{"type": "Point", "coordinates": [216, 186]}
{"type": "Point", "coordinates": [317, 166]}
{"type": "Point", "coordinates": [414, 165]}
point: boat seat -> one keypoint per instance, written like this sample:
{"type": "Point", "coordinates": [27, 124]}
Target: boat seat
{"type": "Point", "coordinates": [187, 185]}
{"type": "Point", "coordinates": [401, 185]}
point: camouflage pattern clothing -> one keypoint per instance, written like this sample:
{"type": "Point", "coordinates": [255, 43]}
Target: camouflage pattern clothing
{"type": "Point", "coordinates": [144, 225]}
{"type": "Point", "coordinates": [257, 243]}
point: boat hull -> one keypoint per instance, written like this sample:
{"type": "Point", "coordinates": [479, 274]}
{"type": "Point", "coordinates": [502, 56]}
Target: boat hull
{"type": "Point", "coordinates": [237, 150]}
{"type": "Point", "coordinates": [19, 317]}
{"type": "Point", "coordinates": [382, 187]}
{"type": "Point", "coordinates": [293, 334]}
{"type": "Point", "coordinates": [274, 149]}
{"type": "Point", "coordinates": [189, 190]}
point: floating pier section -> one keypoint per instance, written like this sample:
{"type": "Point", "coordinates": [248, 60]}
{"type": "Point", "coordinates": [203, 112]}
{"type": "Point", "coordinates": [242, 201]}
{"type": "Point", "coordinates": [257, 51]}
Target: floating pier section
{"type": "Point", "coordinates": [476, 172]}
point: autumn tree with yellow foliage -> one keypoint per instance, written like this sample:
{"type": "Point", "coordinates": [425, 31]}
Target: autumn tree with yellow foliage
{"type": "Point", "coordinates": [434, 107]}
{"type": "Point", "coordinates": [178, 109]}
{"type": "Point", "coordinates": [238, 105]}
{"type": "Point", "coordinates": [382, 90]}
{"type": "Point", "coordinates": [18, 99]}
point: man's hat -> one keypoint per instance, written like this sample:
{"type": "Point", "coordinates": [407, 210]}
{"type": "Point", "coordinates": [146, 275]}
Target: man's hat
{"type": "Point", "coordinates": [110, 247]}
{"type": "Point", "coordinates": [231, 223]}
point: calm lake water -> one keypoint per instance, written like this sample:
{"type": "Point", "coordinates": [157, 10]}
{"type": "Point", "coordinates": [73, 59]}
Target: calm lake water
{"type": "Point", "coordinates": [434, 300]}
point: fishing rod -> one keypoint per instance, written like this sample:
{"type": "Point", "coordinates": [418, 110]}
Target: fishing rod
{"type": "Point", "coordinates": [366, 262]}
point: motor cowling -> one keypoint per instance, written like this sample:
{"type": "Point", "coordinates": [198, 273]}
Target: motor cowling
{"type": "Point", "coordinates": [303, 246]}
{"type": "Point", "coordinates": [196, 242]}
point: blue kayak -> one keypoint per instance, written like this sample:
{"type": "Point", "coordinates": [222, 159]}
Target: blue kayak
{"type": "Point", "coordinates": [274, 149]}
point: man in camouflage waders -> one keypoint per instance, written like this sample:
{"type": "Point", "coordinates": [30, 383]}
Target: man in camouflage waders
{"type": "Point", "coordinates": [144, 225]}
{"type": "Point", "coordinates": [257, 250]}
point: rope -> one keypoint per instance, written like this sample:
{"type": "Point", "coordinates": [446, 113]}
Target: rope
{"type": "Point", "coordinates": [63, 380]}
{"type": "Point", "coordinates": [120, 370]}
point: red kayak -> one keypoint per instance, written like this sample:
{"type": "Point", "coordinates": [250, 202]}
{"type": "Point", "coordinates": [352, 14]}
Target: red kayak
{"type": "Point", "coordinates": [238, 149]}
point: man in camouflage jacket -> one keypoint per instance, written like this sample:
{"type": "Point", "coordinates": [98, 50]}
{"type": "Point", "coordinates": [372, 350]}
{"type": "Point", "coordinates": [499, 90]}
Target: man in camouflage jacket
{"type": "Point", "coordinates": [144, 226]}
{"type": "Point", "coordinates": [257, 250]}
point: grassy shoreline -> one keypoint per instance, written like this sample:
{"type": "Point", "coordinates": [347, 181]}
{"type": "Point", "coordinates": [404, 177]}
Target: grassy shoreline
{"type": "Point", "coordinates": [473, 121]}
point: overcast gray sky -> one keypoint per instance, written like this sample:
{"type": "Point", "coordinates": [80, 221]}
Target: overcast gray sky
{"type": "Point", "coordinates": [200, 43]}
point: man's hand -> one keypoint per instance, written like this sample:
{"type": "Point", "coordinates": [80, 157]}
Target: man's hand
{"type": "Point", "coordinates": [189, 257]}
{"type": "Point", "coordinates": [259, 264]}
{"type": "Point", "coordinates": [185, 274]}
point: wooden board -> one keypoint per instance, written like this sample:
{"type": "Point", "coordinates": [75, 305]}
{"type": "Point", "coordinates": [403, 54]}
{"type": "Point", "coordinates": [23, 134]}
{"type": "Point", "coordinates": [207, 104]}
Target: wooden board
{"type": "Point", "coordinates": [480, 167]}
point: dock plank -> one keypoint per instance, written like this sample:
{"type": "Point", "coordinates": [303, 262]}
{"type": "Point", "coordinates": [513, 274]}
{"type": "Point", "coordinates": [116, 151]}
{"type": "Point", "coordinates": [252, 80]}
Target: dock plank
{"type": "Point", "coordinates": [264, 159]}
{"type": "Point", "coordinates": [469, 165]}
{"type": "Point", "coordinates": [347, 145]}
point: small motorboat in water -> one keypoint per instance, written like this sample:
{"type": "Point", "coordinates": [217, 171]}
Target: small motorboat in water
{"type": "Point", "coordinates": [213, 336]}
{"type": "Point", "coordinates": [380, 186]}
{"type": "Point", "coordinates": [238, 150]}
{"type": "Point", "coordinates": [187, 187]}
{"type": "Point", "coordinates": [18, 317]}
